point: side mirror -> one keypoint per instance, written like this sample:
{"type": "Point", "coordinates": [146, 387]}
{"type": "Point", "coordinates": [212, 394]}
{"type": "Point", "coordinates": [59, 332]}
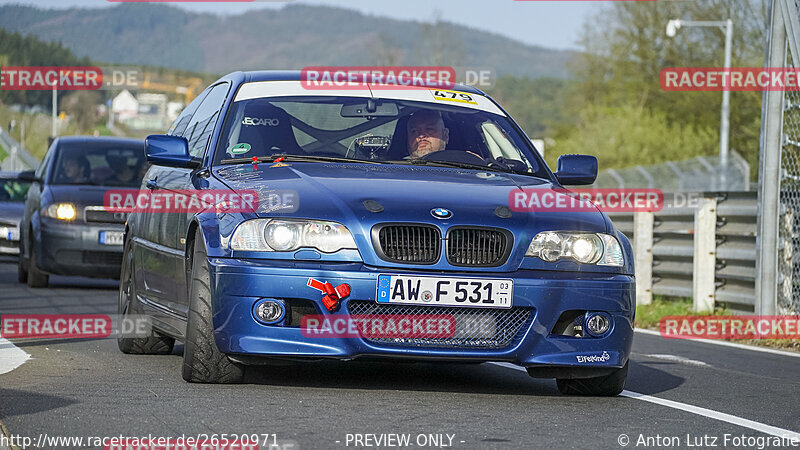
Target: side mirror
{"type": "Point", "coordinates": [28, 176]}
{"type": "Point", "coordinates": [574, 170]}
{"type": "Point", "coordinates": [171, 151]}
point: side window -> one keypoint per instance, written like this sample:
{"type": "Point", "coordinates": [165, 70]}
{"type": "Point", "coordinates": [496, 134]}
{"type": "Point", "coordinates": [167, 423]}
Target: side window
{"type": "Point", "coordinates": [183, 119]}
{"type": "Point", "coordinates": [40, 171]}
{"type": "Point", "coordinates": [202, 124]}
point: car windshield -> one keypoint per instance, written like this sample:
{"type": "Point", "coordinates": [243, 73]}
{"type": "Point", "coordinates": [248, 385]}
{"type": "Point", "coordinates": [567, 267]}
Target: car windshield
{"type": "Point", "coordinates": [13, 190]}
{"type": "Point", "coordinates": [98, 163]}
{"type": "Point", "coordinates": [375, 131]}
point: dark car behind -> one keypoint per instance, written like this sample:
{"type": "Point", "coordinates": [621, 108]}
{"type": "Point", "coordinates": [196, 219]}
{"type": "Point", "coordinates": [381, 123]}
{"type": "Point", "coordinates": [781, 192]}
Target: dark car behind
{"type": "Point", "coordinates": [12, 207]}
{"type": "Point", "coordinates": [66, 229]}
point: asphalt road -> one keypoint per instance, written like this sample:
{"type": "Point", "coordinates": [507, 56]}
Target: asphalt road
{"type": "Point", "coordinates": [87, 388]}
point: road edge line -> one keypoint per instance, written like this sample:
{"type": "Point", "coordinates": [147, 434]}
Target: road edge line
{"type": "Point", "coordinates": [712, 414]}
{"type": "Point", "coordinates": [698, 410]}
{"type": "Point", "coordinates": [727, 344]}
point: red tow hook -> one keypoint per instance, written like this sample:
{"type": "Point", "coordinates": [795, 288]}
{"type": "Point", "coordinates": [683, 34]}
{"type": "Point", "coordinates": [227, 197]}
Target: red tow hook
{"type": "Point", "coordinates": [331, 296]}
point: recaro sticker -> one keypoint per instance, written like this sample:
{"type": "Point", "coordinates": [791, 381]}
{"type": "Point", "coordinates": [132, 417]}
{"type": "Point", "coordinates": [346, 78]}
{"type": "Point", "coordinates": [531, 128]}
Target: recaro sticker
{"type": "Point", "coordinates": [262, 122]}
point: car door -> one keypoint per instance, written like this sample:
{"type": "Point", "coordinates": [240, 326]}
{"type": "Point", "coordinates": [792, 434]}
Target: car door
{"type": "Point", "coordinates": [198, 134]}
{"type": "Point", "coordinates": [33, 202]}
{"type": "Point", "coordinates": [153, 255]}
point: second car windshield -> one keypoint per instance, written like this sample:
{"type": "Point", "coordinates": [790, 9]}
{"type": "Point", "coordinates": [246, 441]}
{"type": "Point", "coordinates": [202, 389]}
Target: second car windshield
{"type": "Point", "coordinates": [373, 130]}
{"type": "Point", "coordinates": [99, 164]}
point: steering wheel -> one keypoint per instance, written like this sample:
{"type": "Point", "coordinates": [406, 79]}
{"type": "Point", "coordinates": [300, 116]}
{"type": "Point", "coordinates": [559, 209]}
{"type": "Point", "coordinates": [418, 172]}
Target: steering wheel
{"type": "Point", "coordinates": [331, 154]}
{"type": "Point", "coordinates": [455, 156]}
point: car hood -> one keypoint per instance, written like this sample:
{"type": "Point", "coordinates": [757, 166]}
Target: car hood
{"type": "Point", "coordinates": [405, 193]}
{"type": "Point", "coordinates": [79, 195]}
{"type": "Point", "coordinates": [11, 212]}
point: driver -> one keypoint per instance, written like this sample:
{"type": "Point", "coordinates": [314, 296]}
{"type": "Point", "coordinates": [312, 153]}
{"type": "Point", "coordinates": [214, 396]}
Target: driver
{"type": "Point", "coordinates": [76, 169]}
{"type": "Point", "coordinates": [426, 133]}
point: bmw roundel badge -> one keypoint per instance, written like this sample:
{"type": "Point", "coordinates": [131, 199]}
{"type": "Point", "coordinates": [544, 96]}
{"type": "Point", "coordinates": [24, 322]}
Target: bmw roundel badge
{"type": "Point", "coordinates": [441, 213]}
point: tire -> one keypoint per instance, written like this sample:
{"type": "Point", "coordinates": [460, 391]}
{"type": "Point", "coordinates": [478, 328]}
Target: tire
{"type": "Point", "coordinates": [22, 271]}
{"type": "Point", "coordinates": [36, 278]}
{"type": "Point", "coordinates": [605, 386]}
{"type": "Point", "coordinates": [202, 360]}
{"type": "Point", "coordinates": [156, 344]}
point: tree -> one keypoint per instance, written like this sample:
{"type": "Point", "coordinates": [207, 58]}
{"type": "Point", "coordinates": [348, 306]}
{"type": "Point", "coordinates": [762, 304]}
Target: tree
{"type": "Point", "coordinates": [82, 106]}
{"type": "Point", "coordinates": [626, 47]}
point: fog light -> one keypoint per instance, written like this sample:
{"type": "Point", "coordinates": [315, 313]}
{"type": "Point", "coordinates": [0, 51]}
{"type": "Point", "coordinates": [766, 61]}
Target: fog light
{"type": "Point", "coordinates": [597, 324]}
{"type": "Point", "coordinates": [269, 311]}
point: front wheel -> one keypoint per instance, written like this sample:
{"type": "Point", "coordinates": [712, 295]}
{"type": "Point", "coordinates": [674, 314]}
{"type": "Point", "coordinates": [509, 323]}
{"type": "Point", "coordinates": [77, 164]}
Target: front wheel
{"type": "Point", "coordinates": [202, 360]}
{"type": "Point", "coordinates": [36, 278]}
{"type": "Point", "coordinates": [605, 386]}
{"type": "Point", "coordinates": [22, 271]}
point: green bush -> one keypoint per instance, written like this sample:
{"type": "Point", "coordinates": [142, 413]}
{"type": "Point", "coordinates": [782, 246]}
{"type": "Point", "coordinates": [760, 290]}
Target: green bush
{"type": "Point", "coordinates": [629, 136]}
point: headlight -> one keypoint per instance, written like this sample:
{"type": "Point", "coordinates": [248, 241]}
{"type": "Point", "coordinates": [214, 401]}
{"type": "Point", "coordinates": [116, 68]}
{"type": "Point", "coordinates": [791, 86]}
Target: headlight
{"type": "Point", "coordinates": [277, 235]}
{"type": "Point", "coordinates": [61, 211]}
{"type": "Point", "coordinates": [586, 248]}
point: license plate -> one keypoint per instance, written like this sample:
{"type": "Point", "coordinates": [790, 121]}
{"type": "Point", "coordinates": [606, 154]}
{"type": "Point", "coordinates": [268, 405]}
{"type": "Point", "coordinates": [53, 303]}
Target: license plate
{"type": "Point", "coordinates": [111, 237]}
{"type": "Point", "coordinates": [438, 291]}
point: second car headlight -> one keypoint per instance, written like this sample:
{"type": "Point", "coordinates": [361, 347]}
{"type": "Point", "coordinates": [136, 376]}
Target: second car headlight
{"type": "Point", "coordinates": [61, 211]}
{"type": "Point", "coordinates": [586, 248]}
{"type": "Point", "coordinates": [278, 235]}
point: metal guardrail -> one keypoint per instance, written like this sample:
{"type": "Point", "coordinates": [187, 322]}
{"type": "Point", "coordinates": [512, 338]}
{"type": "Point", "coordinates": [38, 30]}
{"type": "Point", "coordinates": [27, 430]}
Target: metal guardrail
{"type": "Point", "coordinates": [701, 173]}
{"type": "Point", "coordinates": [24, 160]}
{"type": "Point", "coordinates": [704, 249]}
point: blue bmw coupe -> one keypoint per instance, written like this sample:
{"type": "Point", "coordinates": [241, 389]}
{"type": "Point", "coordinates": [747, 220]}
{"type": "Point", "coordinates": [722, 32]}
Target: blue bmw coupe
{"type": "Point", "coordinates": [381, 228]}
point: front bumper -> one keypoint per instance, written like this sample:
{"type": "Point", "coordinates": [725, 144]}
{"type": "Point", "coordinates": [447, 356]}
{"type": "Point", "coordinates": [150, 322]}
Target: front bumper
{"type": "Point", "coordinates": [238, 284]}
{"type": "Point", "coordinates": [75, 249]}
{"type": "Point", "coordinates": [9, 239]}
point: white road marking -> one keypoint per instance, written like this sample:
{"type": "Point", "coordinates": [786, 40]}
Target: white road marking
{"type": "Point", "coordinates": [728, 344]}
{"type": "Point", "coordinates": [11, 356]}
{"type": "Point", "coordinates": [678, 359]}
{"type": "Point", "coordinates": [710, 413]}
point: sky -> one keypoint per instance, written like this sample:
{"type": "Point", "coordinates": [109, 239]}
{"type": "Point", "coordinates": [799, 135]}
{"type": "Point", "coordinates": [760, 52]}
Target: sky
{"type": "Point", "coordinates": [553, 24]}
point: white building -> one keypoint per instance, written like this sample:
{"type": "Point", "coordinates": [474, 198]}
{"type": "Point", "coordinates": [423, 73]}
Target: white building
{"type": "Point", "coordinates": [124, 106]}
{"type": "Point", "coordinates": [174, 110]}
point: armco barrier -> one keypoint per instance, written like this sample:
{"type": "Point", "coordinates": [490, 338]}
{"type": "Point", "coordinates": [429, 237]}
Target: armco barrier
{"type": "Point", "coordinates": [24, 160]}
{"type": "Point", "coordinates": [706, 251]}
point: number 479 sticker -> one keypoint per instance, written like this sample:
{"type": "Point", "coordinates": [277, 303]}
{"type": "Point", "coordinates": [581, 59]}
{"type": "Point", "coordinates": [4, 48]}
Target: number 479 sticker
{"type": "Point", "coordinates": [452, 96]}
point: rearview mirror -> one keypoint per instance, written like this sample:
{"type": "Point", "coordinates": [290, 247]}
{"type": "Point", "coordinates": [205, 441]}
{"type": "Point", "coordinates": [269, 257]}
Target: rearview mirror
{"type": "Point", "coordinates": [576, 170]}
{"type": "Point", "coordinates": [370, 108]}
{"type": "Point", "coordinates": [171, 151]}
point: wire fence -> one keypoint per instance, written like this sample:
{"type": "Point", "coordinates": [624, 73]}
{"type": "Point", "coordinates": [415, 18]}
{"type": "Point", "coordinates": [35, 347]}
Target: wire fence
{"type": "Point", "coordinates": [777, 267]}
{"type": "Point", "coordinates": [789, 210]}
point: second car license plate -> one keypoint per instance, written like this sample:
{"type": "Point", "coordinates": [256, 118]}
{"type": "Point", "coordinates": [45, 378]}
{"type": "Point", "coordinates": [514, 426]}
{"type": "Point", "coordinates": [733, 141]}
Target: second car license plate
{"type": "Point", "coordinates": [111, 237]}
{"type": "Point", "coordinates": [438, 291]}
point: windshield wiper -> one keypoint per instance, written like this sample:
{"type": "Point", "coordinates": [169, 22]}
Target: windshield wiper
{"type": "Point", "coordinates": [308, 158]}
{"type": "Point", "coordinates": [459, 165]}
